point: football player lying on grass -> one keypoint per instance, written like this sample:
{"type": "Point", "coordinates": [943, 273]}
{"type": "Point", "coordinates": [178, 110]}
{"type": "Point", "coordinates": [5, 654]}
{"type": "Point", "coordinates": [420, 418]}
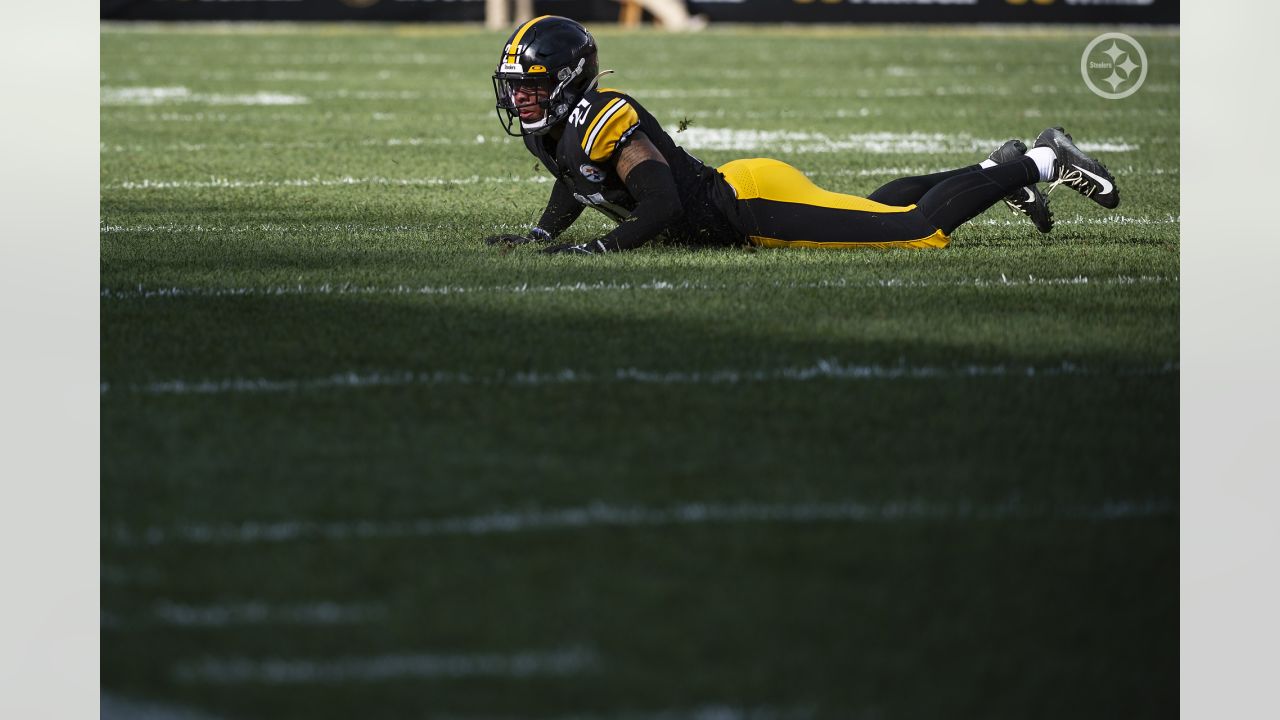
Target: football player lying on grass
{"type": "Point", "coordinates": [608, 152]}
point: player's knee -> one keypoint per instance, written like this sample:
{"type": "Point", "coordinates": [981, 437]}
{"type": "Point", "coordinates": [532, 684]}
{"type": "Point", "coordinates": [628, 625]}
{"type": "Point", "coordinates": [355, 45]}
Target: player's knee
{"type": "Point", "coordinates": [903, 191]}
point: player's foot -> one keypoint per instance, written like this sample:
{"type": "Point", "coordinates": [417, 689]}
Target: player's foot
{"type": "Point", "coordinates": [1026, 200]}
{"type": "Point", "coordinates": [1079, 171]}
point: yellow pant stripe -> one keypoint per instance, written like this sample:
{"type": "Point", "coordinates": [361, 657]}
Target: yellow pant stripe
{"type": "Point", "coordinates": [938, 239]}
{"type": "Point", "coordinates": [769, 179]}
{"type": "Point", "coordinates": [514, 48]}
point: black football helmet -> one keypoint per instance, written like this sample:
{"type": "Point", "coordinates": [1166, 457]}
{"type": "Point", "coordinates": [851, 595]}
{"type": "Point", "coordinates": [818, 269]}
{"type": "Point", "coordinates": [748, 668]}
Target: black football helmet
{"type": "Point", "coordinates": [554, 54]}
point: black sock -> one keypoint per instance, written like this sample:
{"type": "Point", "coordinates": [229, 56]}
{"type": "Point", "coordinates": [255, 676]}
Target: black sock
{"type": "Point", "coordinates": [960, 198]}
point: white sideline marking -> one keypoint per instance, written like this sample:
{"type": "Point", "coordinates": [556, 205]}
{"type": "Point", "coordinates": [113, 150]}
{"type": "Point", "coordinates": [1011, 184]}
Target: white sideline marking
{"type": "Point", "coordinates": [302, 75]}
{"type": "Point", "coordinates": [177, 229]}
{"type": "Point", "coordinates": [257, 613]}
{"type": "Point", "coordinates": [133, 574]}
{"type": "Point", "coordinates": [668, 93]}
{"type": "Point", "coordinates": [370, 94]}
{"type": "Point", "coordinates": [895, 172]}
{"type": "Point", "coordinates": [787, 141]}
{"type": "Point", "coordinates": [1105, 220]}
{"type": "Point", "coordinates": [236, 183]}
{"type": "Point", "coordinates": [145, 293]}
{"type": "Point", "coordinates": [600, 514]}
{"type": "Point", "coordinates": [292, 145]}
{"type": "Point", "coordinates": [825, 369]}
{"type": "Point", "coordinates": [911, 171]}
{"type": "Point", "coordinates": [238, 671]}
{"type": "Point", "coordinates": [164, 95]}
{"type": "Point", "coordinates": [1107, 147]}
{"type": "Point", "coordinates": [142, 95]}
{"type": "Point", "coordinates": [231, 184]}
{"type": "Point", "coordinates": [114, 707]}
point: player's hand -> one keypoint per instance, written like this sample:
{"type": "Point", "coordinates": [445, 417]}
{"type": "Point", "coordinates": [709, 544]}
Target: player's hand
{"type": "Point", "coordinates": [536, 234]}
{"type": "Point", "coordinates": [507, 240]}
{"type": "Point", "coordinates": [591, 247]}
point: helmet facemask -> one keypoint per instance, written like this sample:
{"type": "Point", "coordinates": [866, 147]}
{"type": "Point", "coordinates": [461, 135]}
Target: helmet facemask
{"type": "Point", "coordinates": [555, 100]}
{"type": "Point", "coordinates": [506, 91]}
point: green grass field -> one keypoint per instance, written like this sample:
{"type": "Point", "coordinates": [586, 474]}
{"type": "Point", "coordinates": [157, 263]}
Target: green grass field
{"type": "Point", "coordinates": [357, 464]}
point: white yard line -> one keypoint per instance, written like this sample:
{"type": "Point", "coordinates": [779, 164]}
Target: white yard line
{"type": "Point", "coordinates": [238, 614]}
{"type": "Point", "coordinates": [913, 170]}
{"type": "Point", "coordinates": [346, 180]}
{"type": "Point", "coordinates": [237, 229]}
{"type": "Point", "coordinates": [770, 142]}
{"type": "Point", "coordinates": [133, 574]}
{"type": "Point", "coordinates": [268, 227]}
{"type": "Point", "coordinates": [754, 141]}
{"type": "Point", "coordinates": [789, 142]}
{"type": "Point", "coordinates": [825, 369]}
{"type": "Point", "coordinates": [116, 96]}
{"type": "Point", "coordinates": [281, 671]}
{"type": "Point", "coordinates": [478, 139]}
{"type": "Point", "coordinates": [259, 613]}
{"type": "Point", "coordinates": [115, 707]}
{"type": "Point", "coordinates": [605, 515]}
{"type": "Point", "coordinates": [1081, 220]}
{"type": "Point", "coordinates": [142, 292]}
{"type": "Point", "coordinates": [222, 183]}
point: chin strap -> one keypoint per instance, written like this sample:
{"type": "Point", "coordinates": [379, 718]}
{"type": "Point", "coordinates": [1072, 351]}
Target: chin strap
{"type": "Point", "coordinates": [534, 126]}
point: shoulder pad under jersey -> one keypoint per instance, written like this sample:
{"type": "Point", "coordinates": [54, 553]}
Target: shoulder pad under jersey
{"type": "Point", "coordinates": [611, 119]}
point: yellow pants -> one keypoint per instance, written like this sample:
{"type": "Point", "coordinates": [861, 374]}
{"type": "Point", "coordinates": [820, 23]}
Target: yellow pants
{"type": "Point", "coordinates": [779, 207]}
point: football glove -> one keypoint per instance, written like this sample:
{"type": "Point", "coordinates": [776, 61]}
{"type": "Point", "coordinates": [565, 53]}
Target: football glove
{"type": "Point", "coordinates": [537, 234]}
{"type": "Point", "coordinates": [591, 247]}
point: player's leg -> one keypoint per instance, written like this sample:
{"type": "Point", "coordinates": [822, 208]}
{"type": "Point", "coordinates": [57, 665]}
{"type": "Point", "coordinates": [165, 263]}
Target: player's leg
{"type": "Point", "coordinates": [1027, 200]}
{"type": "Point", "coordinates": [909, 190]}
{"type": "Point", "coordinates": [959, 199]}
{"type": "Point", "coordinates": [777, 206]}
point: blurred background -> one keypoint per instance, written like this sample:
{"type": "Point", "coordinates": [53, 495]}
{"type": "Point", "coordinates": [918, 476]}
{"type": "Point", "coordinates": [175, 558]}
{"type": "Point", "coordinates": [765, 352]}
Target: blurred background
{"type": "Point", "coordinates": [672, 14]}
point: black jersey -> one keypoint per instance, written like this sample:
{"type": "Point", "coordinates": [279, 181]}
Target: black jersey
{"type": "Point", "coordinates": [585, 157]}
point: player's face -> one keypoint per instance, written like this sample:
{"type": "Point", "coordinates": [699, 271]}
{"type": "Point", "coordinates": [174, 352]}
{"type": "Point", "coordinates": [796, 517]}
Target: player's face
{"type": "Point", "coordinates": [526, 97]}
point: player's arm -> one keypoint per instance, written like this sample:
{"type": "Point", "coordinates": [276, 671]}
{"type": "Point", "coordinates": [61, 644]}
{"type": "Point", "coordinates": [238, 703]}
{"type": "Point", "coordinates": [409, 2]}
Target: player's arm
{"type": "Point", "coordinates": [562, 209]}
{"type": "Point", "coordinates": [649, 180]}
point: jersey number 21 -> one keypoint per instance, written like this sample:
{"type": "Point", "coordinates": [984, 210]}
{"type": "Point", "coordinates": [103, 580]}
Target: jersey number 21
{"type": "Point", "coordinates": [580, 114]}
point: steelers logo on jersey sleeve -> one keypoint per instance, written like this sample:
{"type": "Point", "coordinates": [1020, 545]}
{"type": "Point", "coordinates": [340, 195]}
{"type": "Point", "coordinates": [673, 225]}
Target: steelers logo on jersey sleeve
{"type": "Point", "coordinates": [591, 172]}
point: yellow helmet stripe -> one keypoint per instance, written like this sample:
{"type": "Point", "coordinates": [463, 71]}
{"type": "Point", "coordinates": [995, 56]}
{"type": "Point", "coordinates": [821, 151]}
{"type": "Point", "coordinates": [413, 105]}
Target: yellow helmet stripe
{"type": "Point", "coordinates": [514, 48]}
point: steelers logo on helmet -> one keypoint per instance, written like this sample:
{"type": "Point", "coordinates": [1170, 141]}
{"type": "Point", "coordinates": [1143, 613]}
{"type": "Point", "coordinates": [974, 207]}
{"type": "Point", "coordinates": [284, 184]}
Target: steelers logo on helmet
{"type": "Point", "coordinates": [548, 63]}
